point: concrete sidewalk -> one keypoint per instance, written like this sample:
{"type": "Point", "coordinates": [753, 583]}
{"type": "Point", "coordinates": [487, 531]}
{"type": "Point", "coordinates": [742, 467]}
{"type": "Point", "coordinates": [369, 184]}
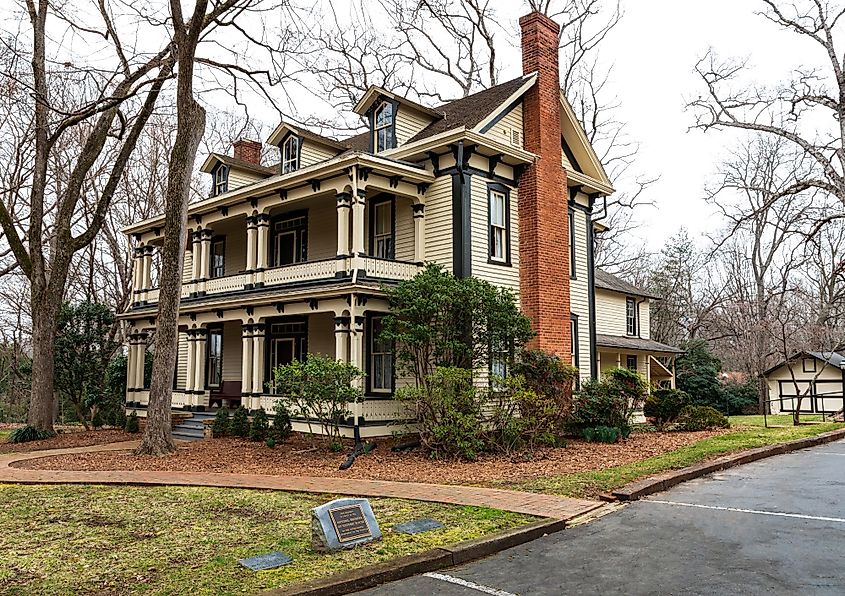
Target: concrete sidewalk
{"type": "Point", "coordinates": [547, 506]}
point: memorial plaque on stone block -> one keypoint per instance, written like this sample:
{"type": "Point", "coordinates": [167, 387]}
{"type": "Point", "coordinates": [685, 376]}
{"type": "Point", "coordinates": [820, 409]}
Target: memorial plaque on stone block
{"type": "Point", "coordinates": [343, 523]}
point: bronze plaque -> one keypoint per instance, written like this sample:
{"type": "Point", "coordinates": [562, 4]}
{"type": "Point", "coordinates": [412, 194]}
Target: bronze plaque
{"type": "Point", "coordinates": [349, 523]}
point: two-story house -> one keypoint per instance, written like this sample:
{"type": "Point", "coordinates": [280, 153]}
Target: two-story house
{"type": "Point", "coordinates": [292, 259]}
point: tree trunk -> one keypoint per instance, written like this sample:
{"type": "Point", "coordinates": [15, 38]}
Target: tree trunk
{"type": "Point", "coordinates": [45, 311]}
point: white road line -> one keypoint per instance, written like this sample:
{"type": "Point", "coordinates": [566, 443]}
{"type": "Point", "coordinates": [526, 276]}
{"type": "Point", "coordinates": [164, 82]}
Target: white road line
{"type": "Point", "coordinates": [467, 584]}
{"type": "Point", "coordinates": [838, 520]}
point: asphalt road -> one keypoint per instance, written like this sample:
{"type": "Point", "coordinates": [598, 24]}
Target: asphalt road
{"type": "Point", "coordinates": [776, 526]}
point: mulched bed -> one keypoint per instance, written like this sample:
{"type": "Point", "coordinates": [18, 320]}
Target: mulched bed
{"type": "Point", "coordinates": [66, 439]}
{"type": "Point", "coordinates": [299, 459]}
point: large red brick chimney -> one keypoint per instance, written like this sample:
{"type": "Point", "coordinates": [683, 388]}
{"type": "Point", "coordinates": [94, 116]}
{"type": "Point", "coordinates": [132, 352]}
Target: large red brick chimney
{"type": "Point", "coordinates": [248, 150]}
{"type": "Point", "coordinates": [543, 196]}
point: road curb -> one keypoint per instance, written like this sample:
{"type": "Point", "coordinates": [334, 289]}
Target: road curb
{"type": "Point", "coordinates": [641, 488]}
{"type": "Point", "coordinates": [370, 576]}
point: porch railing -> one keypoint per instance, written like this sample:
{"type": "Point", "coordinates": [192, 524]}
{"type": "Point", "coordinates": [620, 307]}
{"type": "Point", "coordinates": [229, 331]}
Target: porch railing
{"type": "Point", "coordinates": [228, 283]}
{"type": "Point", "coordinates": [387, 269]}
{"type": "Point", "coordinates": [308, 271]}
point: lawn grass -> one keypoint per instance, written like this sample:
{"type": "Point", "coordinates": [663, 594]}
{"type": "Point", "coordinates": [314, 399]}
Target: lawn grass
{"type": "Point", "coordinates": [590, 484]}
{"type": "Point", "coordinates": [185, 540]}
{"type": "Point", "coordinates": [773, 419]}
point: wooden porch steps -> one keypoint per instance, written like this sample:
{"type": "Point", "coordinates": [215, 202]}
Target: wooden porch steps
{"type": "Point", "coordinates": [192, 429]}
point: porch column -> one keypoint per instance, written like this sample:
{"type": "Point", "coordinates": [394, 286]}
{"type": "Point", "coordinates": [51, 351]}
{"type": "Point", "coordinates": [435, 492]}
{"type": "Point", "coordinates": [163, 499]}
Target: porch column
{"type": "Point", "coordinates": [200, 399]}
{"type": "Point", "coordinates": [672, 365]}
{"type": "Point", "coordinates": [356, 343]}
{"type": "Point", "coordinates": [251, 245]}
{"type": "Point", "coordinates": [246, 364]}
{"type": "Point", "coordinates": [196, 261]}
{"type": "Point", "coordinates": [263, 247]}
{"type": "Point", "coordinates": [190, 367]}
{"type": "Point", "coordinates": [257, 365]}
{"type": "Point", "coordinates": [140, 357]}
{"type": "Point", "coordinates": [648, 371]}
{"type": "Point", "coordinates": [147, 268]}
{"type": "Point", "coordinates": [205, 259]}
{"type": "Point", "coordinates": [344, 206]}
{"type": "Point", "coordinates": [358, 224]}
{"type": "Point", "coordinates": [618, 359]}
{"type": "Point", "coordinates": [137, 265]}
{"type": "Point", "coordinates": [341, 339]}
{"type": "Point", "coordinates": [598, 363]}
{"type": "Point", "coordinates": [131, 363]}
{"type": "Point", "coordinates": [419, 232]}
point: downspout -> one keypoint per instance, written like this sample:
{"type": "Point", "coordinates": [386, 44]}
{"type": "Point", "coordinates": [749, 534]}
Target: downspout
{"type": "Point", "coordinates": [591, 287]}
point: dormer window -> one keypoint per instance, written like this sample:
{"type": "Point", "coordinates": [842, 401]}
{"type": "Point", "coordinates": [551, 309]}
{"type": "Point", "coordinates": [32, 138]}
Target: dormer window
{"type": "Point", "coordinates": [221, 179]}
{"type": "Point", "coordinates": [290, 154]}
{"type": "Point", "coordinates": [383, 127]}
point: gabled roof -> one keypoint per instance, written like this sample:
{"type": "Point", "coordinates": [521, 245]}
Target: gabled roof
{"type": "Point", "coordinates": [284, 128]}
{"type": "Point", "coordinates": [608, 281]}
{"type": "Point", "coordinates": [834, 359]}
{"type": "Point", "coordinates": [588, 167]}
{"type": "Point", "coordinates": [233, 162]}
{"type": "Point", "coordinates": [374, 92]}
{"type": "Point", "coordinates": [471, 110]}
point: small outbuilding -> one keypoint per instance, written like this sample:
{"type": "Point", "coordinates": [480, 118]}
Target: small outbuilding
{"type": "Point", "coordinates": [814, 382]}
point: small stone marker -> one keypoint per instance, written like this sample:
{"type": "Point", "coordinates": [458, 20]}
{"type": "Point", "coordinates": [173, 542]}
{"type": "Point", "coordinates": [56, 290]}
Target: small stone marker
{"type": "Point", "coordinates": [417, 526]}
{"type": "Point", "coordinates": [343, 523]}
{"type": "Point", "coordinates": [266, 561]}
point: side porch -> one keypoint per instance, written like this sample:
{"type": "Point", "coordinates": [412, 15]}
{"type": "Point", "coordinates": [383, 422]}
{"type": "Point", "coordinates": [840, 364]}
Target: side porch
{"type": "Point", "coordinates": [654, 361]}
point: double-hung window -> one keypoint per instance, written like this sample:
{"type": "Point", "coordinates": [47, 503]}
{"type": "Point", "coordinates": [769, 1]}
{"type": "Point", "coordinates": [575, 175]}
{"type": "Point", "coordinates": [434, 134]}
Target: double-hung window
{"type": "Point", "coordinates": [290, 155]}
{"type": "Point", "coordinates": [630, 316]}
{"type": "Point", "coordinates": [382, 226]}
{"type": "Point", "coordinates": [221, 179]}
{"type": "Point", "coordinates": [631, 362]}
{"type": "Point", "coordinates": [498, 218]}
{"type": "Point", "coordinates": [383, 127]}
{"type": "Point", "coordinates": [381, 358]}
{"type": "Point", "coordinates": [215, 357]}
{"type": "Point", "coordinates": [218, 258]}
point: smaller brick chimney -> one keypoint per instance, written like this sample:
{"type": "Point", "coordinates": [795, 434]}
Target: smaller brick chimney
{"type": "Point", "coordinates": [248, 150]}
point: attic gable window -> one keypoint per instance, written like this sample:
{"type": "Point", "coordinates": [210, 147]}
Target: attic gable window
{"type": "Point", "coordinates": [221, 179]}
{"type": "Point", "coordinates": [290, 154]}
{"type": "Point", "coordinates": [383, 127]}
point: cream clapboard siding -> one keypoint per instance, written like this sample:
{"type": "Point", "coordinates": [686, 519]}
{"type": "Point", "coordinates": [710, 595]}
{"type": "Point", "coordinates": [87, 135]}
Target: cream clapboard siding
{"type": "Point", "coordinates": [829, 377]}
{"type": "Point", "coordinates": [645, 319]}
{"type": "Point", "coordinates": [408, 123]}
{"type": "Point", "coordinates": [579, 292]}
{"type": "Point", "coordinates": [234, 232]}
{"type": "Point", "coordinates": [187, 266]}
{"type": "Point", "coordinates": [500, 275]}
{"type": "Point", "coordinates": [503, 130]}
{"type": "Point", "coordinates": [610, 313]}
{"type": "Point", "coordinates": [232, 350]}
{"type": "Point", "coordinates": [322, 229]}
{"type": "Point", "coordinates": [321, 334]}
{"type": "Point", "coordinates": [608, 358]}
{"type": "Point", "coordinates": [182, 361]}
{"type": "Point", "coordinates": [312, 153]}
{"type": "Point", "coordinates": [404, 229]}
{"type": "Point", "coordinates": [239, 178]}
{"type": "Point", "coordinates": [438, 222]}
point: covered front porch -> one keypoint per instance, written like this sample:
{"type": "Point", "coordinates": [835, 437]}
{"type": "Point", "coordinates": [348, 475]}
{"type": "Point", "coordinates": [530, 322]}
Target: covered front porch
{"type": "Point", "coordinates": [226, 358]}
{"type": "Point", "coordinates": [654, 361]}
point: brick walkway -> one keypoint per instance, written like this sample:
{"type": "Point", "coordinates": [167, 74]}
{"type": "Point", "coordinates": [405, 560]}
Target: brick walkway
{"type": "Point", "coordinates": [507, 500]}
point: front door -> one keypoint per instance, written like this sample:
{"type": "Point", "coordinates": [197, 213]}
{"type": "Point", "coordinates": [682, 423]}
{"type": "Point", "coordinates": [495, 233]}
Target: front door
{"type": "Point", "coordinates": [284, 351]}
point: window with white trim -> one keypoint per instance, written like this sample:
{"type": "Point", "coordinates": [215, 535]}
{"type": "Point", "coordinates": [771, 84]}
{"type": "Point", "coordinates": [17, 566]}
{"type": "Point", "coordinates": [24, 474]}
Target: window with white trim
{"type": "Point", "coordinates": [381, 358]}
{"type": "Point", "coordinates": [290, 154]}
{"type": "Point", "coordinates": [498, 226]}
{"type": "Point", "coordinates": [630, 316]}
{"type": "Point", "coordinates": [215, 357]}
{"type": "Point", "coordinates": [383, 127]}
{"type": "Point", "coordinates": [221, 179]}
{"type": "Point", "coordinates": [631, 362]}
{"type": "Point", "coordinates": [383, 230]}
{"type": "Point", "coordinates": [218, 258]}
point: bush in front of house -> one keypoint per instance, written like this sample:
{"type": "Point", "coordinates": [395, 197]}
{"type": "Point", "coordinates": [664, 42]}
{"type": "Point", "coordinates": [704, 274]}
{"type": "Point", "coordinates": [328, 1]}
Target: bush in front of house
{"type": "Point", "coordinates": [281, 429]}
{"type": "Point", "coordinates": [449, 413]}
{"type": "Point", "coordinates": [260, 425]}
{"type": "Point", "coordinates": [132, 425]}
{"type": "Point", "coordinates": [610, 401]}
{"type": "Point", "coordinates": [240, 423]}
{"type": "Point", "coordinates": [601, 434]}
{"type": "Point", "coordinates": [695, 418]}
{"type": "Point", "coordinates": [319, 389]}
{"type": "Point", "coordinates": [664, 405]}
{"type": "Point", "coordinates": [548, 377]}
{"type": "Point", "coordinates": [741, 397]}
{"type": "Point", "coordinates": [521, 418]}
{"type": "Point", "coordinates": [220, 427]}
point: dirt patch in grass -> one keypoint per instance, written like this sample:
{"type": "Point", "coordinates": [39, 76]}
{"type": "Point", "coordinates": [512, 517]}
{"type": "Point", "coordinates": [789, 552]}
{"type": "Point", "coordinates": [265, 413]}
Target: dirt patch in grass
{"type": "Point", "coordinates": [66, 439]}
{"type": "Point", "coordinates": [294, 458]}
{"type": "Point", "coordinates": [120, 540]}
